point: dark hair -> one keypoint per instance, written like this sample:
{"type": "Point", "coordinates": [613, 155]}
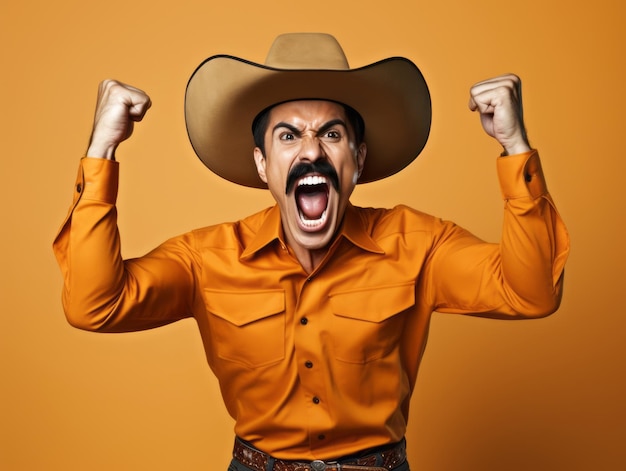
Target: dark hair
{"type": "Point", "coordinates": [259, 125]}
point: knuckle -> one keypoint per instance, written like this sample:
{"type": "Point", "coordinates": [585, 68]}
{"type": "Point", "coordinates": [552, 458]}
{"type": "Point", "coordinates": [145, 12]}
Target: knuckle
{"type": "Point", "coordinates": [108, 83]}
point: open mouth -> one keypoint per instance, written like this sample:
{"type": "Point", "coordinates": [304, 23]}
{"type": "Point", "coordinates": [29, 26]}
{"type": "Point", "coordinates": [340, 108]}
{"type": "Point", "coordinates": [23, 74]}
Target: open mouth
{"type": "Point", "coordinates": [312, 200]}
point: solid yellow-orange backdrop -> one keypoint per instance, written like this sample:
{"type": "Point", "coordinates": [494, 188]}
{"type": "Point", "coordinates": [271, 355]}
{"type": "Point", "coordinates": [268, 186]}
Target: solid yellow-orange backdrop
{"type": "Point", "coordinates": [493, 395]}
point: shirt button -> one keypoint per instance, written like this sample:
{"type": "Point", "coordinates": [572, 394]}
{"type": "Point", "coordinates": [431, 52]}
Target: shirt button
{"type": "Point", "coordinates": [304, 321]}
{"type": "Point", "coordinates": [308, 364]}
{"type": "Point", "coordinates": [79, 188]}
{"type": "Point", "coordinates": [316, 400]}
{"type": "Point", "coordinates": [321, 436]}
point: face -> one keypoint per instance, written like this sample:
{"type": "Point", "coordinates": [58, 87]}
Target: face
{"type": "Point", "coordinates": [311, 166]}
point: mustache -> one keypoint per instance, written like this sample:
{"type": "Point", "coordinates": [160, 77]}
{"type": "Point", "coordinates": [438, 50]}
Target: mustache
{"type": "Point", "coordinates": [321, 167]}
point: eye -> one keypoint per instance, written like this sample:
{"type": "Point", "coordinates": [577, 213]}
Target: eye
{"type": "Point", "coordinates": [332, 134]}
{"type": "Point", "coordinates": [287, 136]}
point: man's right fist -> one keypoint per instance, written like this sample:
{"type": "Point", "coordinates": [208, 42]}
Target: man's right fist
{"type": "Point", "coordinates": [119, 106]}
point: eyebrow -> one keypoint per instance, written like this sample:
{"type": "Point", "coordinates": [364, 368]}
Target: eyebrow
{"type": "Point", "coordinates": [330, 124]}
{"type": "Point", "coordinates": [323, 128]}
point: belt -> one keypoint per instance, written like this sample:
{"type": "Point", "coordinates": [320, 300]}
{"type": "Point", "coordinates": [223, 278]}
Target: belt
{"type": "Point", "coordinates": [383, 460]}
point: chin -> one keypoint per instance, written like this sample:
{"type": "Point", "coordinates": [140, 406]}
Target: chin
{"type": "Point", "coordinates": [315, 240]}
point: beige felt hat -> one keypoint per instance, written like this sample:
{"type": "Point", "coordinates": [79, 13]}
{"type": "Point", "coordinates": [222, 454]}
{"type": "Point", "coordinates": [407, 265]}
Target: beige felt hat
{"type": "Point", "coordinates": [225, 94]}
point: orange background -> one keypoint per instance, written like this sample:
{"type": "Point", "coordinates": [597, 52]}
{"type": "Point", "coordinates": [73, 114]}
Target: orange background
{"type": "Point", "coordinates": [493, 395]}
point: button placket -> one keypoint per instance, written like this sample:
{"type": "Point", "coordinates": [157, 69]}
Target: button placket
{"type": "Point", "coordinates": [310, 315]}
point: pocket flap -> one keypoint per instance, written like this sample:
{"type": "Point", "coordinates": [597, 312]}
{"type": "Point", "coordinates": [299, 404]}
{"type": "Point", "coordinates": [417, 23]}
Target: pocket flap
{"type": "Point", "coordinates": [374, 304]}
{"type": "Point", "coordinates": [243, 307]}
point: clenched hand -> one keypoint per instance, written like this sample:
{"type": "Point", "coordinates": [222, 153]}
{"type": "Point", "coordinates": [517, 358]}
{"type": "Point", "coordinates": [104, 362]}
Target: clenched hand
{"type": "Point", "coordinates": [118, 107]}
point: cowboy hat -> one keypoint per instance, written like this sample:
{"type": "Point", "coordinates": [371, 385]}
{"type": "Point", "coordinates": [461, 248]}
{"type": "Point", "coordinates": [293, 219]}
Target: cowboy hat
{"type": "Point", "coordinates": [226, 93]}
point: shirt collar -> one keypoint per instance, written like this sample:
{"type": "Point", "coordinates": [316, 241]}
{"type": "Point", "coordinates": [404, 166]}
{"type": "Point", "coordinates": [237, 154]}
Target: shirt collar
{"type": "Point", "coordinates": [353, 229]}
{"type": "Point", "coordinates": [270, 230]}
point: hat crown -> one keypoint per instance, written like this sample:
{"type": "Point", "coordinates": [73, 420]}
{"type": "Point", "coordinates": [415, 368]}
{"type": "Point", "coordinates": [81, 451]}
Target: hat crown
{"type": "Point", "coordinates": [306, 51]}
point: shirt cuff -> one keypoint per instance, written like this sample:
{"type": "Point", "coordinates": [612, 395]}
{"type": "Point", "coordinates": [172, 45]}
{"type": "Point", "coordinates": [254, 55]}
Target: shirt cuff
{"type": "Point", "coordinates": [98, 180]}
{"type": "Point", "coordinates": [521, 176]}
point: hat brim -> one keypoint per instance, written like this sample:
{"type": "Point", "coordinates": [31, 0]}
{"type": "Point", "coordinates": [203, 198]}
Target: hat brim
{"type": "Point", "coordinates": [225, 94]}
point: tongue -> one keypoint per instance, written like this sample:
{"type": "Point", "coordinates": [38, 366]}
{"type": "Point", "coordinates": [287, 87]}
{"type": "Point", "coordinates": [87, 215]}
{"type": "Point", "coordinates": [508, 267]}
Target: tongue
{"type": "Point", "coordinates": [312, 203]}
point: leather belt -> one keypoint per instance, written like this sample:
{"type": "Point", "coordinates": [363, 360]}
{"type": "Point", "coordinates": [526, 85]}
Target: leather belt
{"type": "Point", "coordinates": [384, 460]}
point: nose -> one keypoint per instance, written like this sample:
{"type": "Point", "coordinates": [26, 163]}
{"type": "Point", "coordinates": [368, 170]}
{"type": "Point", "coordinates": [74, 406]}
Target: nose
{"type": "Point", "coordinates": [311, 149]}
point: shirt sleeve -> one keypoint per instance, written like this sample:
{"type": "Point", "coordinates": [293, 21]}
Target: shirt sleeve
{"type": "Point", "coordinates": [101, 291]}
{"type": "Point", "coordinates": [522, 276]}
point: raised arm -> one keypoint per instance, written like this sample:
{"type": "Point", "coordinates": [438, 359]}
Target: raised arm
{"type": "Point", "coordinates": [522, 276]}
{"type": "Point", "coordinates": [102, 291]}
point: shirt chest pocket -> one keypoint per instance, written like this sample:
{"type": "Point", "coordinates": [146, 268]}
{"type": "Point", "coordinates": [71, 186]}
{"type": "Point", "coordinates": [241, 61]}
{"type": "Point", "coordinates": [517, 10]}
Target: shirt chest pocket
{"type": "Point", "coordinates": [247, 327]}
{"type": "Point", "coordinates": [366, 322]}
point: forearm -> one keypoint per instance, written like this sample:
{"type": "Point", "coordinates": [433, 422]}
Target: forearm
{"type": "Point", "coordinates": [534, 243]}
{"type": "Point", "coordinates": [519, 277]}
{"type": "Point", "coordinates": [101, 291]}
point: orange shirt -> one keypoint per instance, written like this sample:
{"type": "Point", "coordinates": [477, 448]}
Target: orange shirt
{"type": "Point", "coordinates": [320, 365]}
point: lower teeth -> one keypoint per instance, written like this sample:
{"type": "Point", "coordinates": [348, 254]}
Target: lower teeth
{"type": "Point", "coordinates": [313, 222]}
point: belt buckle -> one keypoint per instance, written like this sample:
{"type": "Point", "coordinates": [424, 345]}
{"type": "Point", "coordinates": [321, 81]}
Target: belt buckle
{"type": "Point", "coordinates": [318, 465]}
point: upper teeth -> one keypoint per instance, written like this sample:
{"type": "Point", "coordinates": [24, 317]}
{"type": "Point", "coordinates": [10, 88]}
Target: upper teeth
{"type": "Point", "coordinates": [312, 180]}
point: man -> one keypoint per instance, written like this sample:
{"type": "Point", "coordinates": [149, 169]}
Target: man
{"type": "Point", "coordinates": [314, 313]}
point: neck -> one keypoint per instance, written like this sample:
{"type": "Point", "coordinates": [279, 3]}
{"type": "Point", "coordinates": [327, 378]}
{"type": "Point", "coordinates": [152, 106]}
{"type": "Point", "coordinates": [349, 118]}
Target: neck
{"type": "Point", "coordinates": [309, 259]}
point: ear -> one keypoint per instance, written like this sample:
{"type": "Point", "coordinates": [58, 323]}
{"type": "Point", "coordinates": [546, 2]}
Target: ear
{"type": "Point", "coordinates": [259, 160]}
{"type": "Point", "coordinates": [360, 155]}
